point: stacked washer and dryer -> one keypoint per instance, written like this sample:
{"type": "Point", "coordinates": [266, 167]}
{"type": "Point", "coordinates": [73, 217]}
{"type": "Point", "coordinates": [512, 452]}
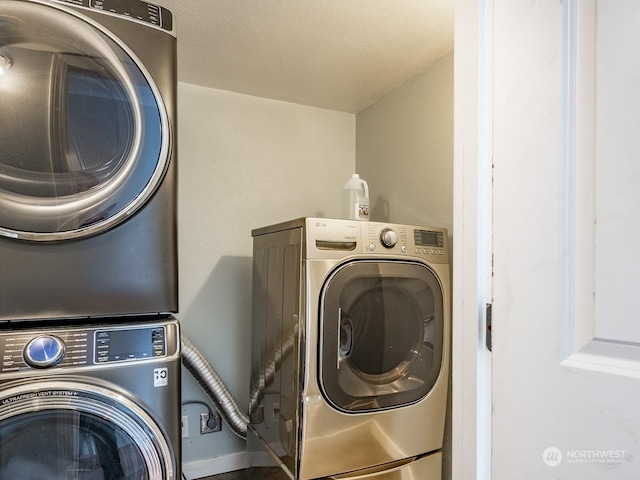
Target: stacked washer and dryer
{"type": "Point", "coordinates": [90, 372]}
{"type": "Point", "coordinates": [350, 361]}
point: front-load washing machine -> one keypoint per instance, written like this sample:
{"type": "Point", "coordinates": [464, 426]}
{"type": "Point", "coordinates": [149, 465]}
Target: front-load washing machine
{"type": "Point", "coordinates": [88, 159]}
{"type": "Point", "coordinates": [350, 347]}
{"type": "Point", "coordinates": [90, 402]}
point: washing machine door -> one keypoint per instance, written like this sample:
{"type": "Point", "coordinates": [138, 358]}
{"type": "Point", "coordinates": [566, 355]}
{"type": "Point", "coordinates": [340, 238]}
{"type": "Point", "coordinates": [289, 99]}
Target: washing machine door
{"type": "Point", "coordinates": [66, 430]}
{"type": "Point", "coordinates": [381, 325]}
{"type": "Point", "coordinates": [83, 132]}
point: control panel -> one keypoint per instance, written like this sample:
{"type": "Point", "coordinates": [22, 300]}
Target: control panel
{"type": "Point", "coordinates": [334, 239]}
{"type": "Point", "coordinates": [136, 9]}
{"type": "Point", "coordinates": [427, 243]}
{"type": "Point", "coordinates": [120, 345]}
{"type": "Point", "coordinates": [78, 347]}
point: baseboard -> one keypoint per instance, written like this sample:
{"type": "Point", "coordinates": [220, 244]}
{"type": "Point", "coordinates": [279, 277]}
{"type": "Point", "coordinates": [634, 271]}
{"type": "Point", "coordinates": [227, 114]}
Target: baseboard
{"type": "Point", "coordinates": [214, 466]}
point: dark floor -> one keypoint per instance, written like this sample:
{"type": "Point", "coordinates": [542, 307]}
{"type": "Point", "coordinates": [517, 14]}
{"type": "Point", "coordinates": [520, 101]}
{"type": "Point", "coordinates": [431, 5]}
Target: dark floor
{"type": "Point", "coordinates": [238, 475]}
{"type": "Point", "coordinates": [272, 473]}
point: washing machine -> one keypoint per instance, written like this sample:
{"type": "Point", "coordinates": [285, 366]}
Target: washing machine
{"type": "Point", "coordinates": [90, 402]}
{"type": "Point", "coordinates": [350, 349]}
{"type": "Point", "coordinates": [88, 164]}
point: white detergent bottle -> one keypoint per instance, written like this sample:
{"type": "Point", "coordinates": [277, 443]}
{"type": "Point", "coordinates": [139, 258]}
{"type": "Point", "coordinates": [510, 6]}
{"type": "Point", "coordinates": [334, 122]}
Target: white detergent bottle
{"type": "Point", "coordinates": [355, 199]}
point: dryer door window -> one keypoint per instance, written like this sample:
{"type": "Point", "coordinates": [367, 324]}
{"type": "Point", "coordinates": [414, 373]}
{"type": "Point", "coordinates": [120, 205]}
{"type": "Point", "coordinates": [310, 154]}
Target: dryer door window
{"type": "Point", "coordinates": [382, 326]}
{"type": "Point", "coordinates": [68, 431]}
{"type": "Point", "coordinates": [83, 133]}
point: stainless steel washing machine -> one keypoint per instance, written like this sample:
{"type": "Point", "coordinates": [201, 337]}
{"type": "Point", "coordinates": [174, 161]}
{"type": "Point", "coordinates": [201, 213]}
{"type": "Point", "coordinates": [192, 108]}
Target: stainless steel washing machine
{"type": "Point", "coordinates": [87, 169]}
{"type": "Point", "coordinates": [350, 361]}
{"type": "Point", "coordinates": [90, 402]}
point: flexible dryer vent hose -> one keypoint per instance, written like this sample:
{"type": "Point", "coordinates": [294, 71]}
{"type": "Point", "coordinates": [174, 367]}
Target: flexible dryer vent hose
{"type": "Point", "coordinates": [214, 387]}
{"type": "Point", "coordinates": [217, 391]}
{"type": "Point", "coordinates": [271, 364]}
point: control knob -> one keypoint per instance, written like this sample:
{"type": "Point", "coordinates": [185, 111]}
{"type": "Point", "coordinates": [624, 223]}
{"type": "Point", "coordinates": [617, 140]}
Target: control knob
{"type": "Point", "coordinates": [389, 238]}
{"type": "Point", "coordinates": [44, 351]}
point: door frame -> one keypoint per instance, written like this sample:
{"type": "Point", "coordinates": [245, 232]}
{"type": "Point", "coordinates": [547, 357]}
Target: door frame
{"type": "Point", "coordinates": [472, 232]}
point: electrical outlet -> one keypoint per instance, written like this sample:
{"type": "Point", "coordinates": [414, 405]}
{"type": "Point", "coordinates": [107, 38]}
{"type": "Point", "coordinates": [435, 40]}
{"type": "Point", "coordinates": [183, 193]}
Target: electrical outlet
{"type": "Point", "coordinates": [210, 422]}
{"type": "Point", "coordinates": [185, 426]}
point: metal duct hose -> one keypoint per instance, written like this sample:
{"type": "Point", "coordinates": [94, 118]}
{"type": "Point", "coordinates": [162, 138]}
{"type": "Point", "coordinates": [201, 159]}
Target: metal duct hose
{"type": "Point", "coordinates": [215, 388]}
{"type": "Point", "coordinates": [272, 363]}
{"type": "Point", "coordinates": [217, 391]}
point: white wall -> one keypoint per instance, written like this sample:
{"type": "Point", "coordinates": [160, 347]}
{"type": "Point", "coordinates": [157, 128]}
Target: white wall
{"type": "Point", "coordinates": [404, 150]}
{"type": "Point", "coordinates": [244, 162]}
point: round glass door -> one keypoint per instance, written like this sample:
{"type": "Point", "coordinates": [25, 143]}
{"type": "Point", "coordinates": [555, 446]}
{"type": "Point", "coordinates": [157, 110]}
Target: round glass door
{"type": "Point", "coordinates": [67, 431]}
{"type": "Point", "coordinates": [382, 326]}
{"type": "Point", "coordinates": [83, 132]}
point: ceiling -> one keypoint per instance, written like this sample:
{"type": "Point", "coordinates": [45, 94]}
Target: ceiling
{"type": "Point", "coordinates": [336, 54]}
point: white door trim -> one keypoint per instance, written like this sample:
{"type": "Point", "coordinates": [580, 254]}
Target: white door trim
{"type": "Point", "coordinates": [471, 399]}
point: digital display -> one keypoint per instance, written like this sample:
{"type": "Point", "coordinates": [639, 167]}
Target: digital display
{"type": "Point", "coordinates": [428, 238]}
{"type": "Point", "coordinates": [130, 344]}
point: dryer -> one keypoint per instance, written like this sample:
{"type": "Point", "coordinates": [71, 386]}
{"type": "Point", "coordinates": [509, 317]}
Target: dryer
{"type": "Point", "coordinates": [88, 164]}
{"type": "Point", "coordinates": [350, 360]}
{"type": "Point", "coordinates": [90, 402]}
